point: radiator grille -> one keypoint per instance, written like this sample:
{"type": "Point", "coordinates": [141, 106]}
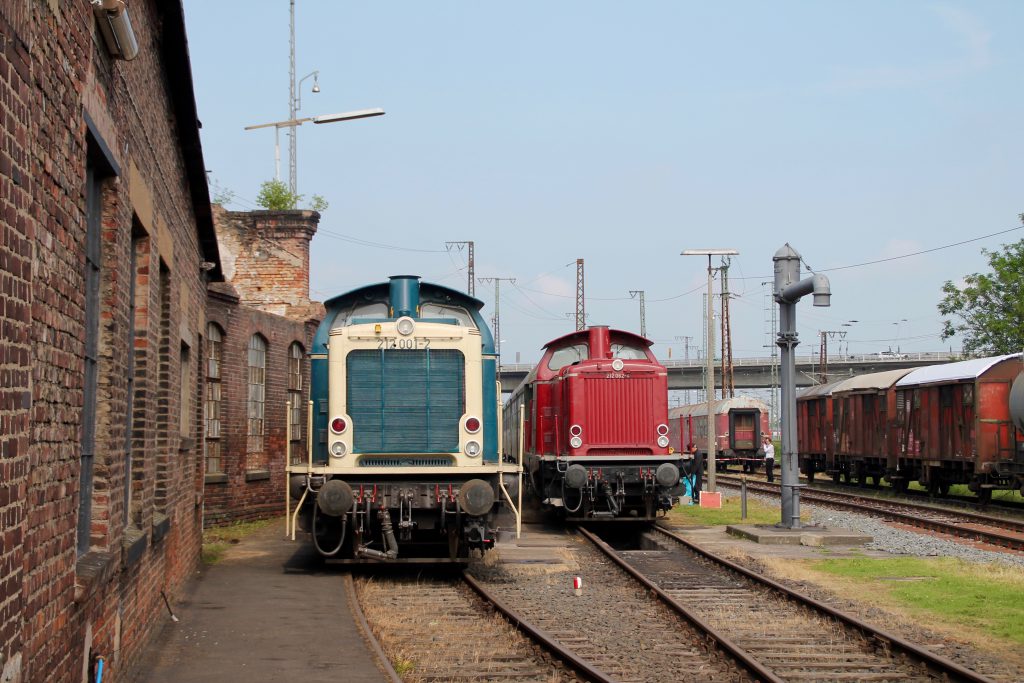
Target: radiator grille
{"type": "Point", "coordinates": [619, 410]}
{"type": "Point", "coordinates": [405, 401]}
{"type": "Point", "coordinates": [404, 462]}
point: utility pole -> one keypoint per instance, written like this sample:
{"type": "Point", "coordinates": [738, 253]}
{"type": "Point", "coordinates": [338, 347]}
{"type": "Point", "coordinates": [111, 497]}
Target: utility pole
{"type": "Point", "coordinates": [581, 314]}
{"type": "Point", "coordinates": [471, 279]}
{"type": "Point", "coordinates": [710, 353]}
{"type": "Point", "coordinates": [728, 377]}
{"type": "Point", "coordinates": [686, 357]}
{"type": "Point", "coordinates": [823, 351]}
{"type": "Point", "coordinates": [497, 310]}
{"type": "Point", "coordinates": [643, 313]}
{"type": "Point", "coordinates": [292, 164]}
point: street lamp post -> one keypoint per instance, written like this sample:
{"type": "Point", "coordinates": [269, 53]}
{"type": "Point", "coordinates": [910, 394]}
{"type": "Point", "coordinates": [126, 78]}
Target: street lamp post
{"type": "Point", "coordinates": [293, 122]}
{"type": "Point", "coordinates": [709, 382]}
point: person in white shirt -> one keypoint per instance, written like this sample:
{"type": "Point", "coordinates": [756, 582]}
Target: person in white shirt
{"type": "Point", "coordinates": [769, 458]}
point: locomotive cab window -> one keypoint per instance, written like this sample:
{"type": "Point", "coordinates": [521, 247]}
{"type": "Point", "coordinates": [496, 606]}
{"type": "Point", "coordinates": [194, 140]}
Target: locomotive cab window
{"type": "Point", "coordinates": [628, 352]}
{"type": "Point", "coordinates": [376, 309]}
{"type": "Point", "coordinates": [435, 310]}
{"type": "Point", "coordinates": [568, 355]}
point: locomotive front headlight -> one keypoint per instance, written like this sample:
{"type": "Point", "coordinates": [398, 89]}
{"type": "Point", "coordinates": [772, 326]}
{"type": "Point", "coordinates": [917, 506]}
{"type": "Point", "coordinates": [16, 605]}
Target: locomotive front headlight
{"type": "Point", "coordinates": [662, 441]}
{"type": "Point", "coordinates": [663, 429]}
{"type": "Point", "coordinates": [472, 425]}
{"type": "Point", "coordinates": [472, 448]}
{"type": "Point", "coordinates": [617, 365]}
{"type": "Point", "coordinates": [405, 326]}
{"type": "Point", "coordinates": [338, 425]}
{"type": "Point", "coordinates": [576, 430]}
{"type": "Point", "coordinates": [338, 449]}
{"type": "Point", "coordinates": [575, 442]}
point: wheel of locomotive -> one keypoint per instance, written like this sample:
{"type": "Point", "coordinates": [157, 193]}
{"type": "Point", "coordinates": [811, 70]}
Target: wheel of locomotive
{"type": "Point", "coordinates": [901, 484]}
{"type": "Point", "coordinates": [836, 476]}
{"type": "Point", "coordinates": [985, 496]}
{"type": "Point", "coordinates": [810, 474]}
{"type": "Point", "coordinates": [943, 488]}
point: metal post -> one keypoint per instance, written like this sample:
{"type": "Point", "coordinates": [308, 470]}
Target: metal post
{"type": "Point", "coordinates": [292, 184]}
{"type": "Point", "coordinates": [709, 387]}
{"type": "Point", "coordinates": [581, 312]}
{"type": "Point", "coordinates": [789, 288]}
{"type": "Point", "coordinates": [643, 312]}
{"type": "Point", "coordinates": [743, 498]}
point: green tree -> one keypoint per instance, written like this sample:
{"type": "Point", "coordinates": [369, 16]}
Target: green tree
{"type": "Point", "coordinates": [275, 196]}
{"type": "Point", "coordinates": [988, 307]}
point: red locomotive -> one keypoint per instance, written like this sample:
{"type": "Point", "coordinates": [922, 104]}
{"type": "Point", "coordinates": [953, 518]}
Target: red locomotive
{"type": "Point", "coordinates": [939, 425]}
{"type": "Point", "coordinates": [595, 427]}
{"type": "Point", "coordinates": [740, 422]}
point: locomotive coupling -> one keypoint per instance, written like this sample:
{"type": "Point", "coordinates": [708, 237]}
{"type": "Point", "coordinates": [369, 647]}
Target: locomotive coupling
{"type": "Point", "coordinates": [576, 476]}
{"type": "Point", "coordinates": [335, 498]}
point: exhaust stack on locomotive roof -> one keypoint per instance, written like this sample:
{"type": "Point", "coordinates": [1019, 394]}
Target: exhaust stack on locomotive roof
{"type": "Point", "coordinates": [405, 296]}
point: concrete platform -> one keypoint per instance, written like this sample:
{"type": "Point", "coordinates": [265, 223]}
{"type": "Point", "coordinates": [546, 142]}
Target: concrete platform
{"type": "Point", "coordinates": [809, 536]}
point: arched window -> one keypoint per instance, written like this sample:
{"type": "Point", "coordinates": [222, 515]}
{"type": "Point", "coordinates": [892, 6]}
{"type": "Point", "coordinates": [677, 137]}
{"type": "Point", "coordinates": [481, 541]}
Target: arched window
{"type": "Point", "coordinates": [295, 356]}
{"type": "Point", "coordinates": [212, 408]}
{"type": "Point", "coordinates": [257, 402]}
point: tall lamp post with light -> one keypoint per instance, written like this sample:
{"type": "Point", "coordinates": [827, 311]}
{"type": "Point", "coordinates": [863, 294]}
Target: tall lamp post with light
{"type": "Point", "coordinates": [293, 122]}
{"type": "Point", "coordinates": [709, 381]}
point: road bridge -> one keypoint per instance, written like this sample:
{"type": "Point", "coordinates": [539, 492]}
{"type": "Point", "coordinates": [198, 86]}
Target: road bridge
{"type": "Point", "coordinates": [756, 373]}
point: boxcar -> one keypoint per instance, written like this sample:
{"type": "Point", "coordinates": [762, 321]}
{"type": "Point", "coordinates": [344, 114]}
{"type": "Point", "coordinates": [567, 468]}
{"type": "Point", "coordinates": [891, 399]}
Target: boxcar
{"type": "Point", "coordinates": [815, 430]}
{"type": "Point", "coordinates": [739, 424]}
{"type": "Point", "coordinates": [863, 414]}
{"type": "Point", "coordinates": [594, 428]}
{"type": "Point", "coordinates": [953, 425]}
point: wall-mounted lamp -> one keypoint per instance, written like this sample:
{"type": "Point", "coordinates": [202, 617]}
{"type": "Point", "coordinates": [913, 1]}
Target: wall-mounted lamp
{"type": "Point", "coordinates": [116, 27]}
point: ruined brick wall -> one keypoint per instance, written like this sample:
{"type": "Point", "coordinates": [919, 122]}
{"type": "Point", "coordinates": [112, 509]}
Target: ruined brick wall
{"type": "Point", "coordinates": [250, 486]}
{"type": "Point", "coordinates": [64, 101]}
{"type": "Point", "coordinates": [266, 258]}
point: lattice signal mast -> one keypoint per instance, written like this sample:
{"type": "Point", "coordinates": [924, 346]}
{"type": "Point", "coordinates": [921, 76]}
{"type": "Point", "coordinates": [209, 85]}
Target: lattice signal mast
{"type": "Point", "coordinates": [728, 376]}
{"type": "Point", "coordinates": [581, 313]}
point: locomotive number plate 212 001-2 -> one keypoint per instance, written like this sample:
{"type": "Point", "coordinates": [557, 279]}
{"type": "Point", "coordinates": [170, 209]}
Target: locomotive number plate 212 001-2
{"type": "Point", "coordinates": [403, 343]}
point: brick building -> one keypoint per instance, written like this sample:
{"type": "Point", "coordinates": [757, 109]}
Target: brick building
{"type": "Point", "coordinates": [260, 326]}
{"type": "Point", "coordinates": [106, 246]}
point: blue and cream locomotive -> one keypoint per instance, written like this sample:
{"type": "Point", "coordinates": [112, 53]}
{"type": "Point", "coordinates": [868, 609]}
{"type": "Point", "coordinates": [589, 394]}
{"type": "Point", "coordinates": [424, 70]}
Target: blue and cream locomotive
{"type": "Point", "coordinates": [403, 459]}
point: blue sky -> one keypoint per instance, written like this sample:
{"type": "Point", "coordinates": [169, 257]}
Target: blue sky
{"type": "Point", "coordinates": [623, 133]}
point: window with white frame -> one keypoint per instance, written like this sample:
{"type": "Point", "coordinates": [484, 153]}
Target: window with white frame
{"type": "Point", "coordinates": [295, 356]}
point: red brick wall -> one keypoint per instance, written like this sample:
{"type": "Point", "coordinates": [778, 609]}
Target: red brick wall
{"type": "Point", "coordinates": [241, 492]}
{"type": "Point", "coordinates": [266, 258]}
{"type": "Point", "coordinates": [55, 604]}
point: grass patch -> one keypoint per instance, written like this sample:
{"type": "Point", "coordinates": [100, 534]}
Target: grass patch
{"type": "Point", "coordinates": [217, 540]}
{"type": "Point", "coordinates": [986, 598]}
{"type": "Point", "coordinates": [962, 490]}
{"type": "Point", "coordinates": [757, 513]}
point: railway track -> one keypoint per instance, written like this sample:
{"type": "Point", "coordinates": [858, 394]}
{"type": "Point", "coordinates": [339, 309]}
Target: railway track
{"type": "Point", "coordinates": [446, 629]}
{"type": "Point", "coordinates": [779, 632]}
{"type": "Point", "coordinates": [998, 531]}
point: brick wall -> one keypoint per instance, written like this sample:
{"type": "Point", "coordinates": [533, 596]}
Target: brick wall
{"type": "Point", "coordinates": [266, 263]}
{"type": "Point", "coordinates": [266, 258]}
{"type": "Point", "coordinates": [68, 111]}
